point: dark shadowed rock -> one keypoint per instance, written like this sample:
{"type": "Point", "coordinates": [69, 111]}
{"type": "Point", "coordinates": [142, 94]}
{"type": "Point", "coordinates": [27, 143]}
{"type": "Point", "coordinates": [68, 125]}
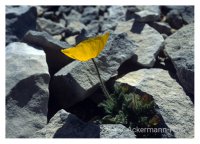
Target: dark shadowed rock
{"type": "Point", "coordinates": [27, 93]}
{"type": "Point", "coordinates": [175, 107]}
{"type": "Point", "coordinates": [78, 80]}
{"type": "Point", "coordinates": [66, 125]}
{"type": "Point", "coordinates": [180, 49]}
{"type": "Point", "coordinates": [174, 19]}
{"type": "Point", "coordinates": [19, 20]}
{"type": "Point", "coordinates": [49, 26]}
{"type": "Point", "coordinates": [52, 47]}
{"type": "Point", "coordinates": [161, 27]}
{"type": "Point", "coordinates": [148, 40]}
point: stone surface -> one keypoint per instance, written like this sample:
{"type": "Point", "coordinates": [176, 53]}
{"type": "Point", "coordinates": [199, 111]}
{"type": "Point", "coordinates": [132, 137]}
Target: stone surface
{"type": "Point", "coordinates": [27, 93]}
{"type": "Point", "coordinates": [72, 16]}
{"type": "Point", "coordinates": [146, 16]}
{"type": "Point", "coordinates": [49, 26]}
{"type": "Point", "coordinates": [115, 131]}
{"type": "Point", "coordinates": [52, 47]}
{"type": "Point", "coordinates": [116, 13]}
{"type": "Point", "coordinates": [74, 28]}
{"type": "Point", "coordinates": [89, 14]}
{"type": "Point", "coordinates": [78, 80]}
{"type": "Point", "coordinates": [19, 20]}
{"type": "Point", "coordinates": [175, 107]}
{"type": "Point", "coordinates": [66, 125]}
{"type": "Point", "coordinates": [180, 49]}
{"type": "Point", "coordinates": [148, 41]}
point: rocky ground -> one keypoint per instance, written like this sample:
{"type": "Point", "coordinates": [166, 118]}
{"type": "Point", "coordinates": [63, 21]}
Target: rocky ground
{"type": "Point", "coordinates": [150, 52]}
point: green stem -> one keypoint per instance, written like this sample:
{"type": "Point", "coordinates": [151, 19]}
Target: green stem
{"type": "Point", "coordinates": [101, 81]}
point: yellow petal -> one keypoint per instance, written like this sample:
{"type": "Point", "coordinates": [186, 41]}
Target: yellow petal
{"type": "Point", "coordinates": [87, 49]}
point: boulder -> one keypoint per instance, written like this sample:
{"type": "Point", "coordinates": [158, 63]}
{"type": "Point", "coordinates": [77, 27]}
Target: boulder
{"type": "Point", "coordinates": [175, 107]}
{"type": "Point", "coordinates": [148, 40]}
{"type": "Point", "coordinates": [66, 125]}
{"type": "Point", "coordinates": [179, 47]}
{"type": "Point", "coordinates": [27, 80]}
{"type": "Point", "coordinates": [52, 47]}
{"type": "Point", "coordinates": [78, 80]}
{"type": "Point", "coordinates": [19, 20]}
{"type": "Point", "coordinates": [49, 26]}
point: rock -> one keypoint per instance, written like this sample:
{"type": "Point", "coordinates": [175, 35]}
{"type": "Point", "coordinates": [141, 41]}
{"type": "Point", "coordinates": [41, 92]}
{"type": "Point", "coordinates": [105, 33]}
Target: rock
{"type": "Point", "coordinates": [186, 12]}
{"type": "Point", "coordinates": [89, 14]}
{"type": "Point", "coordinates": [19, 20]}
{"type": "Point", "coordinates": [108, 25]}
{"type": "Point", "coordinates": [93, 27]}
{"type": "Point", "coordinates": [146, 16]}
{"type": "Point", "coordinates": [116, 13]}
{"type": "Point", "coordinates": [115, 131]}
{"type": "Point", "coordinates": [74, 28]}
{"type": "Point", "coordinates": [73, 16]}
{"type": "Point", "coordinates": [180, 49]}
{"type": "Point", "coordinates": [71, 40]}
{"type": "Point", "coordinates": [148, 41]}
{"type": "Point", "coordinates": [49, 26]}
{"type": "Point", "coordinates": [27, 93]}
{"type": "Point", "coordinates": [174, 19]}
{"type": "Point", "coordinates": [52, 47]}
{"type": "Point", "coordinates": [66, 125]}
{"type": "Point", "coordinates": [161, 27]}
{"type": "Point", "coordinates": [78, 80]}
{"type": "Point", "coordinates": [143, 13]}
{"type": "Point", "coordinates": [175, 107]}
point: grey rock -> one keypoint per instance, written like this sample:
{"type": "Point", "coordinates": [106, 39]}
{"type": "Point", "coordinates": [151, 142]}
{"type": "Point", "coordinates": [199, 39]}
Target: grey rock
{"type": "Point", "coordinates": [148, 41]}
{"type": "Point", "coordinates": [74, 28]}
{"type": "Point", "coordinates": [187, 12]}
{"type": "Point", "coordinates": [89, 14]}
{"type": "Point", "coordinates": [27, 93]}
{"type": "Point", "coordinates": [49, 26]}
{"type": "Point", "coordinates": [180, 49]}
{"type": "Point", "coordinates": [143, 13]}
{"type": "Point", "coordinates": [108, 25]}
{"type": "Point", "coordinates": [93, 27]}
{"type": "Point", "coordinates": [78, 80]}
{"type": "Point", "coordinates": [66, 125]}
{"type": "Point", "coordinates": [161, 27]}
{"type": "Point", "coordinates": [146, 16]}
{"type": "Point", "coordinates": [116, 13]}
{"type": "Point", "coordinates": [175, 107]}
{"type": "Point", "coordinates": [115, 131]}
{"type": "Point", "coordinates": [174, 19]}
{"type": "Point", "coordinates": [19, 20]}
{"type": "Point", "coordinates": [72, 16]}
{"type": "Point", "coordinates": [52, 47]}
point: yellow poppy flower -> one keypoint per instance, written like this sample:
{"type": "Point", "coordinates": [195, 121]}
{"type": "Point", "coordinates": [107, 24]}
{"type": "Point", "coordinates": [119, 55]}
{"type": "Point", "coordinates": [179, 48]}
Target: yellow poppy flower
{"type": "Point", "coordinates": [87, 49]}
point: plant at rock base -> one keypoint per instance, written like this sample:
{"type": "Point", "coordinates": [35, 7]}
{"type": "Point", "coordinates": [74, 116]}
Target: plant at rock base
{"type": "Point", "coordinates": [88, 50]}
